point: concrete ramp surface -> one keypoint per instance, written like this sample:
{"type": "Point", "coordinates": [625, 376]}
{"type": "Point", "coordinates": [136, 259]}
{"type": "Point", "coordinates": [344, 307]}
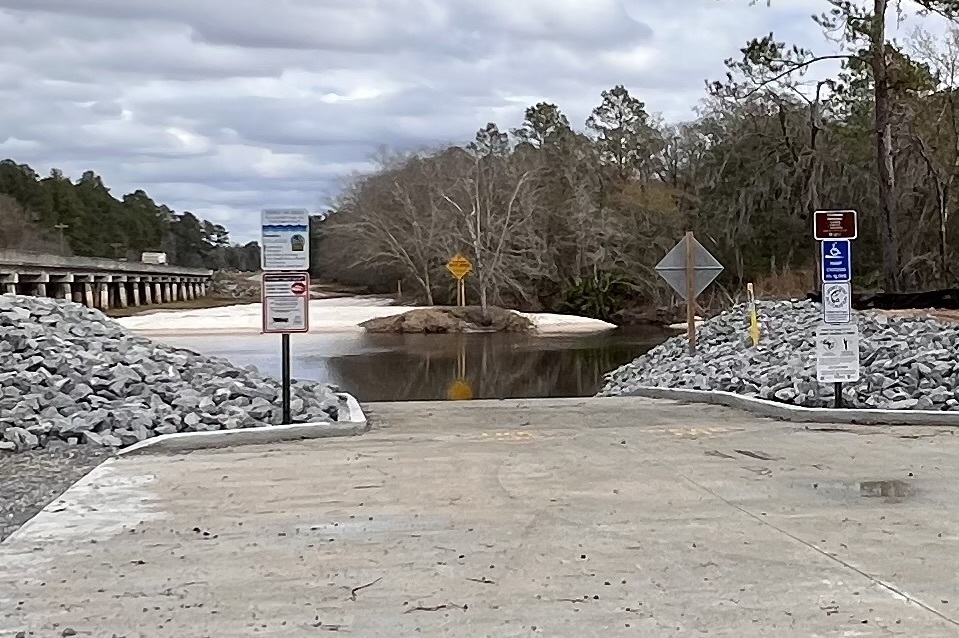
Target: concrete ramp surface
{"type": "Point", "coordinates": [580, 517]}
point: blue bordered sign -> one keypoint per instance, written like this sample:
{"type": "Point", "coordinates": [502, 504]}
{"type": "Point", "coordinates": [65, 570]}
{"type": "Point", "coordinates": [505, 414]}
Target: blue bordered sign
{"type": "Point", "coordinates": [285, 240]}
{"type": "Point", "coordinates": [836, 260]}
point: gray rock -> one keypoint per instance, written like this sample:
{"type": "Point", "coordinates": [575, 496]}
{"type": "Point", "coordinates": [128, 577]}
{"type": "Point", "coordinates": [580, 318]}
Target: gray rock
{"type": "Point", "coordinates": [111, 441]}
{"type": "Point", "coordinates": [905, 363]}
{"type": "Point", "coordinates": [21, 438]}
{"type": "Point", "coordinates": [940, 395]}
{"type": "Point", "coordinates": [70, 375]}
{"type": "Point", "coordinates": [80, 392]}
{"type": "Point", "coordinates": [127, 437]}
{"type": "Point", "coordinates": [786, 395]}
{"type": "Point", "coordinates": [187, 399]}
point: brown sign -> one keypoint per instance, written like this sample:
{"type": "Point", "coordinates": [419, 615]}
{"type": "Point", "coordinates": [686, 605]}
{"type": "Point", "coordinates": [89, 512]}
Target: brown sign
{"type": "Point", "coordinates": [834, 224]}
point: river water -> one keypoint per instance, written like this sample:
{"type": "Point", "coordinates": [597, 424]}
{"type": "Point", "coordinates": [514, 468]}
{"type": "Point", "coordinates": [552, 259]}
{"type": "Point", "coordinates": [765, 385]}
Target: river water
{"type": "Point", "coordinates": [429, 367]}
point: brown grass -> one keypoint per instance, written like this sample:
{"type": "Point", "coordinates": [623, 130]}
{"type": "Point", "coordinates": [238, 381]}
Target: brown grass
{"type": "Point", "coordinates": [788, 284]}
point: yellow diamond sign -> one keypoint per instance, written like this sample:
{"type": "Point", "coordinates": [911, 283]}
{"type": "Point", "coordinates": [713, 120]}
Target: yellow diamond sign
{"type": "Point", "coordinates": [460, 266]}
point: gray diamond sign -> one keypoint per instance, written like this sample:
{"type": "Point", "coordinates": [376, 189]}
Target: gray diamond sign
{"type": "Point", "coordinates": [672, 268]}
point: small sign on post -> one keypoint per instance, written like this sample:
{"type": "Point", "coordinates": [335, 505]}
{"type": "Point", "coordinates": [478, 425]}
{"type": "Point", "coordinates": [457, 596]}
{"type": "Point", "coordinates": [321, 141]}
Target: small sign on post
{"type": "Point", "coordinates": [285, 259]}
{"type": "Point", "coordinates": [837, 356]}
{"type": "Point", "coordinates": [459, 266]}
{"type": "Point", "coordinates": [836, 260]}
{"type": "Point", "coordinates": [286, 309]}
{"type": "Point", "coordinates": [286, 297]}
{"type": "Point", "coordinates": [834, 224]}
{"type": "Point", "coordinates": [835, 230]}
{"type": "Point", "coordinates": [837, 303]}
{"type": "Point", "coordinates": [285, 240]}
{"type": "Point", "coordinates": [688, 268]}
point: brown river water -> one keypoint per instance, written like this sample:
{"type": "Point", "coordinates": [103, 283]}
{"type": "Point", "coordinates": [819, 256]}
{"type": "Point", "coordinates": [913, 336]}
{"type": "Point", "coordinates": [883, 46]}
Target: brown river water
{"type": "Point", "coordinates": [430, 367]}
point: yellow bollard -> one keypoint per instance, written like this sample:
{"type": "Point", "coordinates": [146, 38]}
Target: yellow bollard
{"type": "Point", "coordinates": [753, 317]}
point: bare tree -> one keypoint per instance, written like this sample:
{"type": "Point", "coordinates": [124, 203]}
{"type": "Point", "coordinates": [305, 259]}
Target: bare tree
{"type": "Point", "coordinates": [487, 200]}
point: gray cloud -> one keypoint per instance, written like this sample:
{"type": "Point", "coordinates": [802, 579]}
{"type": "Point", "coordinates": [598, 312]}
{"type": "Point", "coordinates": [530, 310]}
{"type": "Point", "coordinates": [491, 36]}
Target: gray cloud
{"type": "Point", "coordinates": [224, 107]}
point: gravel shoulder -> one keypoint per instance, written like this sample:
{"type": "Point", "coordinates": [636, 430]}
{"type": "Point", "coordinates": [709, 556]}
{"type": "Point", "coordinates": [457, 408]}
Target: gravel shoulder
{"type": "Point", "coordinates": [32, 479]}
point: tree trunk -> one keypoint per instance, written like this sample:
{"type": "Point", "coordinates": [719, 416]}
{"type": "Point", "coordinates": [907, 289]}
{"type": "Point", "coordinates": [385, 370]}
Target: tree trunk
{"type": "Point", "coordinates": [428, 286]}
{"type": "Point", "coordinates": [884, 152]}
{"type": "Point", "coordinates": [814, 178]}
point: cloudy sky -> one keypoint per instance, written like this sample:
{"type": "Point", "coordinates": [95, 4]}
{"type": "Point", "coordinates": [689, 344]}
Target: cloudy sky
{"type": "Point", "coordinates": [224, 107]}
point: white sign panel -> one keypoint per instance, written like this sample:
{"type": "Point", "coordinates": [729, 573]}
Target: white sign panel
{"type": "Point", "coordinates": [837, 353]}
{"type": "Point", "coordinates": [285, 239]}
{"type": "Point", "coordinates": [837, 303]}
{"type": "Point", "coordinates": [286, 302]}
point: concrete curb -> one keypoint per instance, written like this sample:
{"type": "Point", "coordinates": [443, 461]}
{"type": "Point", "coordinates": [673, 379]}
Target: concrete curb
{"type": "Point", "coordinates": [351, 422]}
{"type": "Point", "coordinates": [801, 414]}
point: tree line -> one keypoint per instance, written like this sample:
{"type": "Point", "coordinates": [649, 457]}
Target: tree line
{"type": "Point", "coordinates": [563, 217]}
{"type": "Point", "coordinates": [55, 214]}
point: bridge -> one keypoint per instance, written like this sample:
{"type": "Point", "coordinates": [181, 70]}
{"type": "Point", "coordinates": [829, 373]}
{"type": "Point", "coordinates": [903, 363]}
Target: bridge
{"type": "Point", "coordinates": [99, 283]}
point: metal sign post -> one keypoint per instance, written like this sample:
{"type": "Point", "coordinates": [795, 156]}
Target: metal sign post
{"type": "Point", "coordinates": [688, 268]}
{"type": "Point", "coordinates": [285, 258]}
{"type": "Point", "coordinates": [837, 339]}
{"type": "Point", "coordinates": [837, 356]}
{"type": "Point", "coordinates": [286, 309]}
{"type": "Point", "coordinates": [690, 294]}
{"type": "Point", "coordinates": [286, 375]}
{"type": "Point", "coordinates": [459, 266]}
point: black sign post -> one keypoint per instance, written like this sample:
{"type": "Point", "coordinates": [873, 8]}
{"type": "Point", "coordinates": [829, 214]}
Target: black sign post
{"type": "Point", "coordinates": [287, 419]}
{"type": "Point", "coordinates": [838, 228]}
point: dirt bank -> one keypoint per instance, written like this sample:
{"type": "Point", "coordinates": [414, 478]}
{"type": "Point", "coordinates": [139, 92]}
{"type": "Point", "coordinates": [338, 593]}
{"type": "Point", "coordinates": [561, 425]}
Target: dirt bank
{"type": "Point", "coordinates": [450, 320]}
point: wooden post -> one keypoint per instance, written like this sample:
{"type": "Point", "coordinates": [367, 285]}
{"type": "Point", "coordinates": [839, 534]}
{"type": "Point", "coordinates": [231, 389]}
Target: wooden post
{"type": "Point", "coordinates": [399, 290]}
{"type": "Point", "coordinates": [691, 292]}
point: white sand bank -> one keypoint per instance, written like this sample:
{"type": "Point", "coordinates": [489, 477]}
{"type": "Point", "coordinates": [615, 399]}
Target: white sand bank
{"type": "Point", "coordinates": [326, 315]}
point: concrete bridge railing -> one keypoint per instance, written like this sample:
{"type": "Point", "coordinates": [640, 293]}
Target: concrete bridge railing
{"type": "Point", "coordinates": [99, 283]}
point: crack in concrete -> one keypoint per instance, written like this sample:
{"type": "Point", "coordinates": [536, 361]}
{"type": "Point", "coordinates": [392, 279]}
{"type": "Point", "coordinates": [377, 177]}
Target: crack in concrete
{"type": "Point", "coordinates": [882, 583]}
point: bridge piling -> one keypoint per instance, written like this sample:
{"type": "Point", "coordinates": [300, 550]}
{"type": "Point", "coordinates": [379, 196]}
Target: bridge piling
{"type": "Point", "coordinates": [99, 283]}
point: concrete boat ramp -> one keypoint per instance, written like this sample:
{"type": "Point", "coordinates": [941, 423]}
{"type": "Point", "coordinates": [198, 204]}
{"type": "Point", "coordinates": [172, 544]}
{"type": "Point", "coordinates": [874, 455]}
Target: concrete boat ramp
{"type": "Point", "coordinates": [580, 517]}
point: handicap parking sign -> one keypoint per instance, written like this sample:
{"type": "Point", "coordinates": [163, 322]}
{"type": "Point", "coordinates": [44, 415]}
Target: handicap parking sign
{"type": "Point", "coordinates": [836, 260]}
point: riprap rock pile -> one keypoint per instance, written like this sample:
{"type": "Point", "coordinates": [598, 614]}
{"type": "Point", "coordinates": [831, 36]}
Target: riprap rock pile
{"type": "Point", "coordinates": [69, 373]}
{"type": "Point", "coordinates": [906, 362]}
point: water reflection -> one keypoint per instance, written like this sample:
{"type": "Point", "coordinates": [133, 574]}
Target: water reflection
{"type": "Point", "coordinates": [486, 366]}
{"type": "Point", "coordinates": [430, 367]}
